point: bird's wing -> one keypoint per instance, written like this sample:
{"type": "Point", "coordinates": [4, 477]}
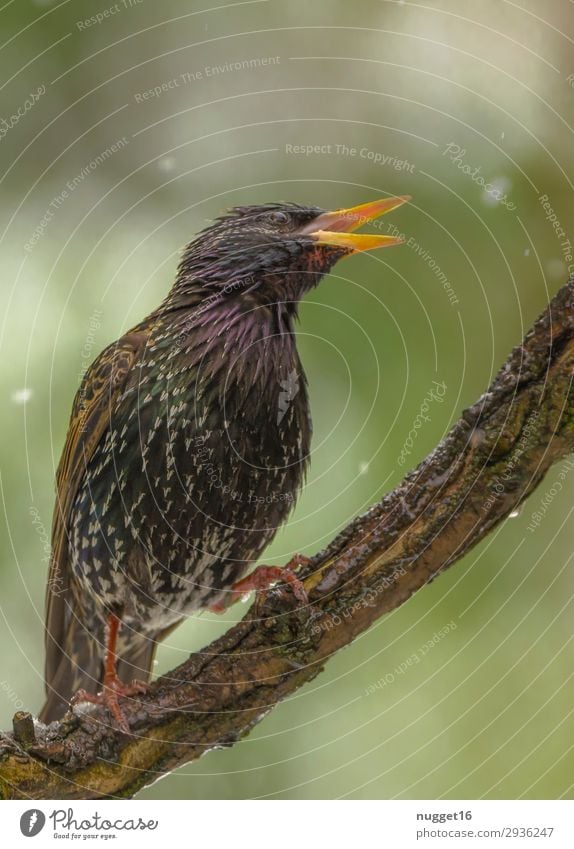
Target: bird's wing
{"type": "Point", "coordinates": [93, 406]}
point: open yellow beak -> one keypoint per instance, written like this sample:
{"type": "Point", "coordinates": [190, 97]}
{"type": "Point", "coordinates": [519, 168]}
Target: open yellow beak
{"type": "Point", "coordinates": [337, 228]}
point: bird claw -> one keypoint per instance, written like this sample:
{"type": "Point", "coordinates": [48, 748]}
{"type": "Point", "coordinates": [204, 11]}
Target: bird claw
{"type": "Point", "coordinates": [112, 690]}
{"type": "Point", "coordinates": [264, 577]}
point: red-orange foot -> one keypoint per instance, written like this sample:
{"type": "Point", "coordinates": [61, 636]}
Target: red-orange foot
{"type": "Point", "coordinates": [112, 690]}
{"type": "Point", "coordinates": [262, 578]}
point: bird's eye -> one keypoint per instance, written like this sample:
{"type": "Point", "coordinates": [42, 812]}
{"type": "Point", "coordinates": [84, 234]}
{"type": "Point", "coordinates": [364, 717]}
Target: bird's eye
{"type": "Point", "coordinates": [278, 217]}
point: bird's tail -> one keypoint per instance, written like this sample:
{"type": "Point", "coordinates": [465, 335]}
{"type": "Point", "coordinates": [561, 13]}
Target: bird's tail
{"type": "Point", "coordinates": [78, 663]}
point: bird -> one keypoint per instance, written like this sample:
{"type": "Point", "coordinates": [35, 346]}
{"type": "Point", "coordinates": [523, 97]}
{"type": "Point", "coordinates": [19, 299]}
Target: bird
{"type": "Point", "coordinates": [188, 443]}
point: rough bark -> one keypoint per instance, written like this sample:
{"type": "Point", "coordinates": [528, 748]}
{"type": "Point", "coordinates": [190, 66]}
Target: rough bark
{"type": "Point", "coordinates": [490, 461]}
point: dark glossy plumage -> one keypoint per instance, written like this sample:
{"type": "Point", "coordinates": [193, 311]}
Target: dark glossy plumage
{"type": "Point", "coordinates": [188, 443]}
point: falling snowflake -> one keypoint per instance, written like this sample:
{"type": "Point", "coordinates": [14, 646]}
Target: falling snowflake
{"type": "Point", "coordinates": [166, 163]}
{"type": "Point", "coordinates": [556, 269]}
{"type": "Point", "coordinates": [499, 187]}
{"type": "Point", "coordinates": [21, 396]}
{"type": "Point", "coordinates": [289, 389]}
{"type": "Point", "coordinates": [363, 468]}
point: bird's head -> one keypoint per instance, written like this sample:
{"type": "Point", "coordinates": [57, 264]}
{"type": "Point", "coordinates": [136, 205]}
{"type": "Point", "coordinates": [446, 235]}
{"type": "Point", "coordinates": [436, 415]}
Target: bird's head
{"type": "Point", "coordinates": [277, 252]}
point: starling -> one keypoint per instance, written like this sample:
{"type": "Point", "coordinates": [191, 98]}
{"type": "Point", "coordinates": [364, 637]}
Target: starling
{"type": "Point", "coordinates": [188, 443]}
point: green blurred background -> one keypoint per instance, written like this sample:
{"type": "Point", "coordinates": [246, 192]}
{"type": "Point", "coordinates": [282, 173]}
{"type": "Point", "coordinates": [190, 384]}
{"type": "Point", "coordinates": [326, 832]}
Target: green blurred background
{"type": "Point", "coordinates": [487, 711]}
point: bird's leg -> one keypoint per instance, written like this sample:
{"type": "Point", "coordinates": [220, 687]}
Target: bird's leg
{"type": "Point", "coordinates": [262, 578]}
{"type": "Point", "coordinates": [113, 688]}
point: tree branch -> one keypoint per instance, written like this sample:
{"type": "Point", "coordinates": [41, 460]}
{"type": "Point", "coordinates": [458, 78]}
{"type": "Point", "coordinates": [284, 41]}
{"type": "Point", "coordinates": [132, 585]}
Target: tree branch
{"type": "Point", "coordinates": [490, 461]}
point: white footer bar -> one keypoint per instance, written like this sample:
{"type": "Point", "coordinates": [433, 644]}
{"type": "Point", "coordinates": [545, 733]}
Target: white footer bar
{"type": "Point", "coordinates": [289, 824]}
